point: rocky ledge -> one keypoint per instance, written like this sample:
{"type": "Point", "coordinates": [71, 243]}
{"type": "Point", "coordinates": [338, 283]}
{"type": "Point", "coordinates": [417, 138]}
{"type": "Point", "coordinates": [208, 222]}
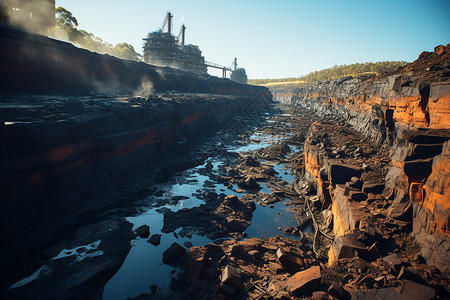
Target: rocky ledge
{"type": "Point", "coordinates": [406, 113]}
{"type": "Point", "coordinates": [360, 245]}
{"type": "Point", "coordinates": [373, 181]}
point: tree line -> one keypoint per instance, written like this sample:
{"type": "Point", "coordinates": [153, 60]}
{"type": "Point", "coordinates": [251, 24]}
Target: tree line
{"type": "Point", "coordinates": [66, 28]}
{"type": "Point", "coordinates": [338, 71]}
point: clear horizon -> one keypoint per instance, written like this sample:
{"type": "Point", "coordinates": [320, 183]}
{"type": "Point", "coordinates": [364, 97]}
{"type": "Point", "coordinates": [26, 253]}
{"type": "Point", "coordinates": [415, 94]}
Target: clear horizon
{"type": "Point", "coordinates": [273, 40]}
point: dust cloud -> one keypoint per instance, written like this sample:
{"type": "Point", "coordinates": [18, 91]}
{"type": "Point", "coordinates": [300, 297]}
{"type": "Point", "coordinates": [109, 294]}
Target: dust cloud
{"type": "Point", "coordinates": [145, 89]}
{"type": "Point", "coordinates": [32, 15]}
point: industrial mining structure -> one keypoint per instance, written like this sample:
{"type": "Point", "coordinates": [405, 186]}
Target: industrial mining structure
{"type": "Point", "coordinates": [163, 49]}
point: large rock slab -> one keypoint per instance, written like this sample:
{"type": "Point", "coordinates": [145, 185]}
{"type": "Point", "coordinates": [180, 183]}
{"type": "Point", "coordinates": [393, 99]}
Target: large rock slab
{"type": "Point", "coordinates": [196, 260]}
{"type": "Point", "coordinates": [348, 215]}
{"type": "Point", "coordinates": [173, 255]}
{"type": "Point", "coordinates": [346, 246]}
{"type": "Point", "coordinates": [431, 218]}
{"type": "Point", "coordinates": [304, 281]}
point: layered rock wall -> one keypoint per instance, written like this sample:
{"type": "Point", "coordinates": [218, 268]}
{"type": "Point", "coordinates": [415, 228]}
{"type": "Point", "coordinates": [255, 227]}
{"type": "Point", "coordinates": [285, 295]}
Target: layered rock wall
{"type": "Point", "coordinates": [34, 63]}
{"type": "Point", "coordinates": [68, 154]}
{"type": "Point", "coordinates": [62, 157]}
{"type": "Point", "coordinates": [407, 114]}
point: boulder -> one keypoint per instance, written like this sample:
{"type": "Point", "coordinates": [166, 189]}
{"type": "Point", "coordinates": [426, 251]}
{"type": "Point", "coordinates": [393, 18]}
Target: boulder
{"type": "Point", "coordinates": [394, 261]}
{"type": "Point", "coordinates": [173, 255]}
{"type": "Point", "coordinates": [231, 200]}
{"type": "Point", "coordinates": [231, 277]}
{"type": "Point", "coordinates": [304, 281]}
{"type": "Point", "coordinates": [143, 231]}
{"type": "Point", "coordinates": [412, 290]}
{"type": "Point", "coordinates": [249, 183]}
{"type": "Point", "coordinates": [408, 273]}
{"type": "Point", "coordinates": [236, 225]}
{"type": "Point", "coordinates": [289, 262]}
{"type": "Point", "coordinates": [196, 260]}
{"type": "Point", "coordinates": [346, 247]}
{"type": "Point", "coordinates": [400, 209]}
{"type": "Point", "coordinates": [155, 239]}
{"type": "Point", "coordinates": [244, 247]}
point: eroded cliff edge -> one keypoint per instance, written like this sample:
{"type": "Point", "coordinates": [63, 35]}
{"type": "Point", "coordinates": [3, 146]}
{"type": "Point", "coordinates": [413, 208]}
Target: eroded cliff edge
{"type": "Point", "coordinates": [407, 114]}
{"type": "Point", "coordinates": [80, 131]}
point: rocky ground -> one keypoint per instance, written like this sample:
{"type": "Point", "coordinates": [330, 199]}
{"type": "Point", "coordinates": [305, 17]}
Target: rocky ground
{"type": "Point", "coordinates": [369, 195]}
{"type": "Point", "coordinates": [378, 259]}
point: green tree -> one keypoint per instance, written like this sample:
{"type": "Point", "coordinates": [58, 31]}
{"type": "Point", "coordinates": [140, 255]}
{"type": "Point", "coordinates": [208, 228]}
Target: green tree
{"type": "Point", "coordinates": [125, 51]}
{"type": "Point", "coordinates": [64, 18]}
{"type": "Point", "coordinates": [68, 23]}
{"type": "Point", "coordinates": [339, 71]}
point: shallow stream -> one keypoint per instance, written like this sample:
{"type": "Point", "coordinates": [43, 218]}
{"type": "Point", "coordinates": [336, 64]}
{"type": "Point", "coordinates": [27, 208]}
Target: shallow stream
{"type": "Point", "coordinates": [143, 265]}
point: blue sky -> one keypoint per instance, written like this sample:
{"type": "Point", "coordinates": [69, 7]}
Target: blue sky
{"type": "Point", "coordinates": [276, 39]}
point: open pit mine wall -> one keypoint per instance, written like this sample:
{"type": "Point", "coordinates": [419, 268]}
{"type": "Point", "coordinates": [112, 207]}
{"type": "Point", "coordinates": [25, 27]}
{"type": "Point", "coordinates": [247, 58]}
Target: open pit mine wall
{"type": "Point", "coordinates": [78, 157]}
{"type": "Point", "coordinates": [35, 63]}
{"type": "Point", "coordinates": [407, 113]}
{"type": "Point", "coordinates": [53, 172]}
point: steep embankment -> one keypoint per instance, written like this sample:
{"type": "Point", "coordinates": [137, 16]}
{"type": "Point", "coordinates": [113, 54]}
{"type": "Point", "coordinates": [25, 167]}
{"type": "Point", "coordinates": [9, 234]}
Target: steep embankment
{"type": "Point", "coordinates": [407, 114]}
{"type": "Point", "coordinates": [62, 157]}
{"type": "Point", "coordinates": [34, 63]}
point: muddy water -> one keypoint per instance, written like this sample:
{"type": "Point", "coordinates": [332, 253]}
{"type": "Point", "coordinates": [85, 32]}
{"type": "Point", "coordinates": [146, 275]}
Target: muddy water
{"type": "Point", "coordinates": [143, 266]}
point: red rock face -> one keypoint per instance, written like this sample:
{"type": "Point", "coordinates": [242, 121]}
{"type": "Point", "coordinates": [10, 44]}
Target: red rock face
{"type": "Point", "coordinates": [407, 111]}
{"type": "Point", "coordinates": [437, 189]}
{"type": "Point", "coordinates": [432, 216]}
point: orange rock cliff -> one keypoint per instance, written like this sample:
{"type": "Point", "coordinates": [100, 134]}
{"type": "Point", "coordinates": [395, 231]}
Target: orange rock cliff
{"type": "Point", "coordinates": [406, 114]}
